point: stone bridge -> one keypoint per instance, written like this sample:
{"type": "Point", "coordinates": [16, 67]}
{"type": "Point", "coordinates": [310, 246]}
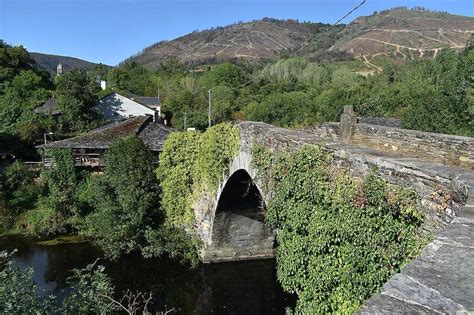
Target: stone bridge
{"type": "Point", "coordinates": [440, 168]}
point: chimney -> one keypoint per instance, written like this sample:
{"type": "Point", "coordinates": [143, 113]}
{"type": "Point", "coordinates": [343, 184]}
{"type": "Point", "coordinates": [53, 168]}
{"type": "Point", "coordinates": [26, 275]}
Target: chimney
{"type": "Point", "coordinates": [156, 117]}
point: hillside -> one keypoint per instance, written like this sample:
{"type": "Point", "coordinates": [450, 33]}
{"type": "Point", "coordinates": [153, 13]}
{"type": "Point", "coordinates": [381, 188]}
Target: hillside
{"type": "Point", "coordinates": [50, 62]}
{"type": "Point", "coordinates": [403, 34]}
{"type": "Point", "coordinates": [396, 33]}
{"type": "Point", "coordinates": [256, 40]}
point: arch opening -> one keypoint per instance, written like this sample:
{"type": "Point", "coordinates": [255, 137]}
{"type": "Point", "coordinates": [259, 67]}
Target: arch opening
{"type": "Point", "coordinates": [242, 197]}
{"type": "Point", "coordinates": [239, 231]}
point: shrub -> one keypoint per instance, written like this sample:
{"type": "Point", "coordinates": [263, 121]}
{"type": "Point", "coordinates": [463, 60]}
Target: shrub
{"type": "Point", "coordinates": [18, 292]}
{"type": "Point", "coordinates": [18, 194]}
{"type": "Point", "coordinates": [92, 292]}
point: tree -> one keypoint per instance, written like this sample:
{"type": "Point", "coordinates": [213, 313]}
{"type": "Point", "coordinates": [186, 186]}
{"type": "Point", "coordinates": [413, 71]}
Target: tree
{"type": "Point", "coordinates": [436, 94]}
{"type": "Point", "coordinates": [133, 78]}
{"type": "Point", "coordinates": [283, 109]}
{"type": "Point", "coordinates": [22, 86]}
{"type": "Point", "coordinates": [76, 93]}
{"type": "Point", "coordinates": [58, 204]}
{"type": "Point", "coordinates": [126, 199]}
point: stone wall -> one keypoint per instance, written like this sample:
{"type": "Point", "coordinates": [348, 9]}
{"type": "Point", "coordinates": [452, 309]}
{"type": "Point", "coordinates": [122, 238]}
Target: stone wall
{"type": "Point", "coordinates": [449, 149]}
{"type": "Point", "coordinates": [453, 150]}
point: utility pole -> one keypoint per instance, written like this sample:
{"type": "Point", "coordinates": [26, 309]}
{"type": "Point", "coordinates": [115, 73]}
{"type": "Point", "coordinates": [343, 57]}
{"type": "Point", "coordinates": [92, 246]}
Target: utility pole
{"type": "Point", "coordinates": [209, 109]}
{"type": "Point", "coordinates": [46, 134]}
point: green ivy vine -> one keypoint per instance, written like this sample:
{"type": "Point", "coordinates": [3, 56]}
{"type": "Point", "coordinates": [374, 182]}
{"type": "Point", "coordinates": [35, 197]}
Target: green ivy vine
{"type": "Point", "coordinates": [191, 165]}
{"type": "Point", "coordinates": [339, 239]}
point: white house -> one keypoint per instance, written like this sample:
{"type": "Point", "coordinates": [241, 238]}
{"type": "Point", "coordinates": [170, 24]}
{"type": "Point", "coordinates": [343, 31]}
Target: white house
{"type": "Point", "coordinates": [115, 107]}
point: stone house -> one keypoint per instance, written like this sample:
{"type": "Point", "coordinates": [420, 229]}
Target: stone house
{"type": "Point", "coordinates": [89, 149]}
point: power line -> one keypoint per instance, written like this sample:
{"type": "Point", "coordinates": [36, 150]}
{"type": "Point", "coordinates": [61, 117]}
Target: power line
{"type": "Point", "coordinates": [330, 27]}
{"type": "Point", "coordinates": [317, 36]}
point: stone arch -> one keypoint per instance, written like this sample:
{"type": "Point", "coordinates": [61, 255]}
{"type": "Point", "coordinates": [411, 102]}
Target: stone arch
{"type": "Point", "coordinates": [241, 236]}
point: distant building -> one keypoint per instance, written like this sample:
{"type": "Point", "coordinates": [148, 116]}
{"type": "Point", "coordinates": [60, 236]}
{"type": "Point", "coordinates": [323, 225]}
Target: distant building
{"type": "Point", "coordinates": [149, 101]}
{"type": "Point", "coordinates": [113, 107]}
{"type": "Point", "coordinates": [59, 69]}
{"type": "Point", "coordinates": [89, 149]}
{"type": "Point", "coordinates": [103, 84]}
{"type": "Point", "coordinates": [48, 108]}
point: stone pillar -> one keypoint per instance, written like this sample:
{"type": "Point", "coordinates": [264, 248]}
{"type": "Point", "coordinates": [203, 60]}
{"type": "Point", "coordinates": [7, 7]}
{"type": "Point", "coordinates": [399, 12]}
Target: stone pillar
{"type": "Point", "coordinates": [348, 121]}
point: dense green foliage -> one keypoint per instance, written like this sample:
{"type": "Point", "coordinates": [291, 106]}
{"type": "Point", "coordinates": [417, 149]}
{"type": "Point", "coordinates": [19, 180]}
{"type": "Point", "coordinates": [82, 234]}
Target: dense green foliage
{"type": "Point", "coordinates": [18, 194]}
{"type": "Point", "coordinates": [92, 290]}
{"type": "Point", "coordinates": [22, 87]}
{"type": "Point", "coordinates": [191, 166]}
{"type": "Point", "coordinates": [180, 153]}
{"type": "Point", "coordinates": [339, 239]}
{"type": "Point", "coordinates": [133, 78]}
{"type": "Point", "coordinates": [125, 199]}
{"type": "Point", "coordinates": [58, 202]}
{"type": "Point", "coordinates": [76, 93]}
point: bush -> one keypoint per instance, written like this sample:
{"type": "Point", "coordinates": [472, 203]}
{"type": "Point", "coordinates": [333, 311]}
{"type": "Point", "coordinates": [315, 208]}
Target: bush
{"type": "Point", "coordinates": [92, 292]}
{"type": "Point", "coordinates": [18, 292]}
{"type": "Point", "coordinates": [18, 194]}
{"type": "Point", "coordinates": [173, 241]}
{"type": "Point", "coordinates": [58, 204]}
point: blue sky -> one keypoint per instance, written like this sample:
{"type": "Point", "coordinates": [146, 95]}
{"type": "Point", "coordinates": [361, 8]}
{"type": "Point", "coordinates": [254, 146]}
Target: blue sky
{"type": "Point", "coordinates": [108, 31]}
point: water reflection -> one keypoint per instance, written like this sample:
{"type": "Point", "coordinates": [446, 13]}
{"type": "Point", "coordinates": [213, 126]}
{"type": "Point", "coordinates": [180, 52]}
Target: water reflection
{"type": "Point", "coordinates": [227, 288]}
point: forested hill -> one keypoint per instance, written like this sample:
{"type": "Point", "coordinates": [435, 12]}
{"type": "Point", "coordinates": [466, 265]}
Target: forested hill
{"type": "Point", "coordinates": [256, 40]}
{"type": "Point", "coordinates": [50, 62]}
{"type": "Point", "coordinates": [397, 33]}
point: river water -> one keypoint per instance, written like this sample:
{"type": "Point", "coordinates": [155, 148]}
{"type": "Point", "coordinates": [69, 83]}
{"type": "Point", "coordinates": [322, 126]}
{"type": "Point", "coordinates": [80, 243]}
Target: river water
{"type": "Point", "coordinates": [224, 288]}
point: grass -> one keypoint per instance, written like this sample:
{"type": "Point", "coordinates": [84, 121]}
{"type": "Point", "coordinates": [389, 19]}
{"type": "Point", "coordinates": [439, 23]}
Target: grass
{"type": "Point", "coordinates": [63, 239]}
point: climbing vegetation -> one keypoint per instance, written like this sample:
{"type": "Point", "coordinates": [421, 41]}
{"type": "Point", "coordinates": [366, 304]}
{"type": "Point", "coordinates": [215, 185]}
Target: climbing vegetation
{"type": "Point", "coordinates": [191, 165]}
{"type": "Point", "coordinates": [339, 239]}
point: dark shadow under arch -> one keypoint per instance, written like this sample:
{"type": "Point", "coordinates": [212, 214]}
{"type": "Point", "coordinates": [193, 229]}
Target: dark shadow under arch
{"type": "Point", "coordinates": [241, 196]}
{"type": "Point", "coordinates": [238, 230]}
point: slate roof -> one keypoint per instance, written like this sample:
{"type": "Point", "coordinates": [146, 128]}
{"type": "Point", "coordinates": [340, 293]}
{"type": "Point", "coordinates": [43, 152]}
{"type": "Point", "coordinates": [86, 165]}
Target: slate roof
{"type": "Point", "coordinates": [50, 107]}
{"type": "Point", "coordinates": [149, 101]}
{"type": "Point", "coordinates": [152, 134]}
